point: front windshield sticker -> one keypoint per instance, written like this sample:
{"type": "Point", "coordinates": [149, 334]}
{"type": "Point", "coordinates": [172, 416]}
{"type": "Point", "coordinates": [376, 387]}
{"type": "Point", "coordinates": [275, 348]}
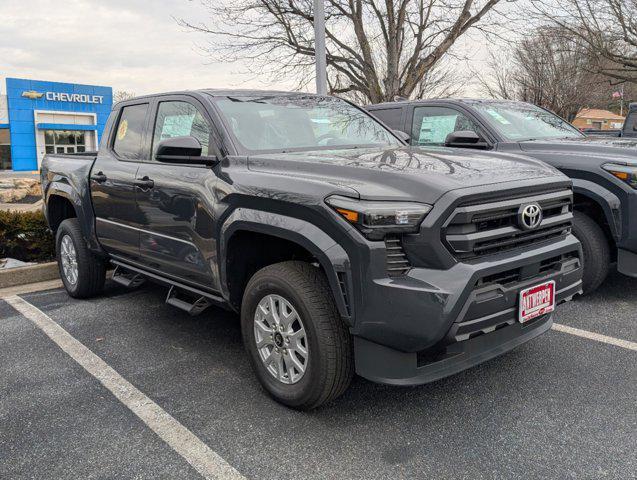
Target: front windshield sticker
{"type": "Point", "coordinates": [498, 117]}
{"type": "Point", "coordinates": [436, 129]}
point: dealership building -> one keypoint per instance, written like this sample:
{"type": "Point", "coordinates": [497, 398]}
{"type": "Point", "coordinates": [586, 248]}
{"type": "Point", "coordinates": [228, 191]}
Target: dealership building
{"type": "Point", "coordinates": [39, 117]}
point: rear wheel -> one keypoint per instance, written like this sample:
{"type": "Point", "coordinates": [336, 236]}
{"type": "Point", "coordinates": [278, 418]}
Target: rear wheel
{"type": "Point", "coordinates": [596, 251]}
{"type": "Point", "coordinates": [82, 272]}
{"type": "Point", "coordinates": [298, 345]}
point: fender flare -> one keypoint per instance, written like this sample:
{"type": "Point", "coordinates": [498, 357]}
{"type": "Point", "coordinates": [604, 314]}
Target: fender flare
{"type": "Point", "coordinates": [330, 255]}
{"type": "Point", "coordinates": [85, 216]}
{"type": "Point", "coordinates": [607, 200]}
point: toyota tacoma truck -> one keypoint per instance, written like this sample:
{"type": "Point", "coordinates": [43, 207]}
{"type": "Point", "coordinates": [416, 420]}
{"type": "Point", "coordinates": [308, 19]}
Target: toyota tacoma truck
{"type": "Point", "coordinates": [343, 250]}
{"type": "Point", "coordinates": [603, 170]}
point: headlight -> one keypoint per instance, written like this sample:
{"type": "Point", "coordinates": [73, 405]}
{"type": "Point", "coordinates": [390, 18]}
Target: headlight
{"type": "Point", "coordinates": [625, 173]}
{"type": "Point", "coordinates": [376, 218]}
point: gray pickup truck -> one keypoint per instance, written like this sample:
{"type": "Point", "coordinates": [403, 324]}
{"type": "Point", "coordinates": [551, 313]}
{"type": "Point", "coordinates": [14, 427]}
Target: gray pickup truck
{"type": "Point", "coordinates": [342, 249]}
{"type": "Point", "coordinates": [629, 130]}
{"type": "Point", "coordinates": [603, 170]}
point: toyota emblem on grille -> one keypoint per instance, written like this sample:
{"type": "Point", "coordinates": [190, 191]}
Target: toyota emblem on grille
{"type": "Point", "coordinates": [530, 216]}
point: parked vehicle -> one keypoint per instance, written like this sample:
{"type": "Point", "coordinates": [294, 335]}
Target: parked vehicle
{"type": "Point", "coordinates": [343, 249]}
{"type": "Point", "coordinates": [629, 130]}
{"type": "Point", "coordinates": [604, 171]}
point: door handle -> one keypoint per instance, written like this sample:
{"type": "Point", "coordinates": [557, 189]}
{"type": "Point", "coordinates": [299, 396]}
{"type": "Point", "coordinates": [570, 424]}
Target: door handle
{"type": "Point", "coordinates": [144, 183]}
{"type": "Point", "coordinates": [99, 177]}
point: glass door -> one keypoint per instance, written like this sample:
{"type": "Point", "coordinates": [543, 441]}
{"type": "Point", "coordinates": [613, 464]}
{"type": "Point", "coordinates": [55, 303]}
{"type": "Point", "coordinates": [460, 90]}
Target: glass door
{"type": "Point", "coordinates": [64, 141]}
{"type": "Point", "coordinates": [5, 150]}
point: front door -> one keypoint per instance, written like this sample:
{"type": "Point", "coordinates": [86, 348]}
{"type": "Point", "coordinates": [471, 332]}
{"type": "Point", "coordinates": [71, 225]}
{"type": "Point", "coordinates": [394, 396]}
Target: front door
{"type": "Point", "coordinates": [176, 205]}
{"type": "Point", "coordinates": [117, 217]}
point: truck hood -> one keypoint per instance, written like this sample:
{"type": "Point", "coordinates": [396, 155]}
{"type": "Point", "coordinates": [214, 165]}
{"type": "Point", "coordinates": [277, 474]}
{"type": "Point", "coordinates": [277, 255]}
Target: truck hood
{"type": "Point", "coordinates": [597, 150]}
{"type": "Point", "coordinates": [406, 172]}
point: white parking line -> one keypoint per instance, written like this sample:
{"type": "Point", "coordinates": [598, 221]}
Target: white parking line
{"type": "Point", "coordinates": [207, 462]}
{"type": "Point", "coordinates": [618, 342]}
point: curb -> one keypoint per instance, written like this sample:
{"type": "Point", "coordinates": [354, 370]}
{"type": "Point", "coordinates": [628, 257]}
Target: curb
{"type": "Point", "coordinates": [30, 274]}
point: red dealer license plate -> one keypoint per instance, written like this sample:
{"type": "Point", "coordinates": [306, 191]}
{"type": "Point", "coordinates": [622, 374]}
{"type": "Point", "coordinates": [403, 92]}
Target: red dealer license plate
{"type": "Point", "coordinates": [537, 301]}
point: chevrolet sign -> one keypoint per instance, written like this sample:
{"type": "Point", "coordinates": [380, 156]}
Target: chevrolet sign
{"type": "Point", "coordinates": [64, 97]}
{"type": "Point", "coordinates": [33, 95]}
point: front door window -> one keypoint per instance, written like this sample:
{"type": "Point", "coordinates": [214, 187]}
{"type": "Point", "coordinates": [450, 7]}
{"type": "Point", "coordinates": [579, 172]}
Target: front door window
{"type": "Point", "coordinates": [431, 125]}
{"type": "Point", "coordinates": [64, 141]}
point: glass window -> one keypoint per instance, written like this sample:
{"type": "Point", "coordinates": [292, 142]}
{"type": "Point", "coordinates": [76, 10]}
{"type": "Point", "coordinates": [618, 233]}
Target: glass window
{"type": "Point", "coordinates": [300, 123]}
{"type": "Point", "coordinates": [390, 116]}
{"type": "Point", "coordinates": [519, 121]}
{"type": "Point", "coordinates": [180, 119]}
{"type": "Point", "coordinates": [431, 125]}
{"type": "Point", "coordinates": [64, 141]}
{"type": "Point", "coordinates": [129, 132]}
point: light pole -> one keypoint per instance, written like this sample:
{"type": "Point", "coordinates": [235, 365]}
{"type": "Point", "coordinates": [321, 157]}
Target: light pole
{"type": "Point", "coordinates": [319, 47]}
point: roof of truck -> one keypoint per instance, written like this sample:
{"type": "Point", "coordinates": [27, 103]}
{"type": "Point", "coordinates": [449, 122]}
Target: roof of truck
{"type": "Point", "coordinates": [446, 100]}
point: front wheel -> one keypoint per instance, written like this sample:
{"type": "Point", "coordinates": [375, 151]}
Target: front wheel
{"type": "Point", "coordinates": [596, 251]}
{"type": "Point", "coordinates": [299, 347]}
{"type": "Point", "coordinates": [82, 272]}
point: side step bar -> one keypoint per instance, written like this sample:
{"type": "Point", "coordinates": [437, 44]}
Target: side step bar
{"type": "Point", "coordinates": [186, 301]}
{"type": "Point", "coordinates": [184, 297]}
{"type": "Point", "coordinates": [127, 278]}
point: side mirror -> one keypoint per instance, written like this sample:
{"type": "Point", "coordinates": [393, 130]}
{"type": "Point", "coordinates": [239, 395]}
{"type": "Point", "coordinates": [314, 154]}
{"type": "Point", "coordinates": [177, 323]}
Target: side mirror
{"type": "Point", "coordinates": [183, 150]}
{"type": "Point", "coordinates": [405, 137]}
{"type": "Point", "coordinates": [465, 139]}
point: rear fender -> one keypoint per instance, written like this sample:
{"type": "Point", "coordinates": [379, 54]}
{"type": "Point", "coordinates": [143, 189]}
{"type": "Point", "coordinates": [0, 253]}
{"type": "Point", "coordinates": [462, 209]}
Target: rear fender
{"type": "Point", "coordinates": [82, 207]}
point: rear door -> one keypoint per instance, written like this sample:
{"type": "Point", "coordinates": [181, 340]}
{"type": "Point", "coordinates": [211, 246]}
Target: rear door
{"type": "Point", "coordinates": [177, 211]}
{"type": "Point", "coordinates": [117, 217]}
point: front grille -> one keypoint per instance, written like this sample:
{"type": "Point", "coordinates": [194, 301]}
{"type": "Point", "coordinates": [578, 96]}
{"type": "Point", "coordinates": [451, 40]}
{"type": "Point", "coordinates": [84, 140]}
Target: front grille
{"type": "Point", "coordinates": [397, 263]}
{"type": "Point", "coordinates": [479, 229]}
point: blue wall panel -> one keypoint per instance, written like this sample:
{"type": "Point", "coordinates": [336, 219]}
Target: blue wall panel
{"type": "Point", "coordinates": [21, 117]}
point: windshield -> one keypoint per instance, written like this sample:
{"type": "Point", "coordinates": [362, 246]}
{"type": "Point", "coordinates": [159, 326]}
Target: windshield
{"type": "Point", "coordinates": [284, 123]}
{"type": "Point", "coordinates": [522, 121]}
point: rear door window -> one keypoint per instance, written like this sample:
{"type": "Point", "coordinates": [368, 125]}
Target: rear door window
{"type": "Point", "coordinates": [392, 117]}
{"type": "Point", "coordinates": [431, 125]}
{"type": "Point", "coordinates": [129, 134]}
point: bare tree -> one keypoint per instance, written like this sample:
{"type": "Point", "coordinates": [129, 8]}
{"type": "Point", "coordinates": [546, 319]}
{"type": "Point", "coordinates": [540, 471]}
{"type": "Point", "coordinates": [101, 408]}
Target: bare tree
{"type": "Point", "coordinates": [607, 29]}
{"type": "Point", "coordinates": [121, 95]}
{"type": "Point", "coordinates": [376, 50]}
{"type": "Point", "coordinates": [548, 68]}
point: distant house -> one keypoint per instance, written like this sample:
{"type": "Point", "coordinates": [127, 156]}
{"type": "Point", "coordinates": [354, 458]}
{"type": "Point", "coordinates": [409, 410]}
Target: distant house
{"type": "Point", "coordinates": [598, 120]}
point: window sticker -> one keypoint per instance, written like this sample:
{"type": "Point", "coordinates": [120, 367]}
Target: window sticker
{"type": "Point", "coordinates": [177, 126]}
{"type": "Point", "coordinates": [123, 128]}
{"type": "Point", "coordinates": [435, 129]}
{"type": "Point", "coordinates": [497, 116]}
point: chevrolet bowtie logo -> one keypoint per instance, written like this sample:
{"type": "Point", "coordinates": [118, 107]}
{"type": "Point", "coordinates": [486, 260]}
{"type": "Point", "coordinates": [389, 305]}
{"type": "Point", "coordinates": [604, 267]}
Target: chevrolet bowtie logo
{"type": "Point", "coordinates": [32, 94]}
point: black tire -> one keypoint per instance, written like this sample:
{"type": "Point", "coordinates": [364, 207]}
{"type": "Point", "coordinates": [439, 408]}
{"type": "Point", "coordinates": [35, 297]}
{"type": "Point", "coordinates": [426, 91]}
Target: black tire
{"type": "Point", "coordinates": [330, 366]}
{"type": "Point", "coordinates": [91, 270]}
{"type": "Point", "coordinates": [596, 250]}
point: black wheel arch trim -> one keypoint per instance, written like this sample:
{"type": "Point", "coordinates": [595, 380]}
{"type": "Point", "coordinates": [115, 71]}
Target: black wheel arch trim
{"type": "Point", "coordinates": [85, 216]}
{"type": "Point", "coordinates": [606, 200]}
{"type": "Point", "coordinates": [330, 255]}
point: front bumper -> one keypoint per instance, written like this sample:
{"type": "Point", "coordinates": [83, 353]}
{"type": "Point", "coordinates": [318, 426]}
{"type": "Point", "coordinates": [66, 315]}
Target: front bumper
{"type": "Point", "coordinates": [627, 262]}
{"type": "Point", "coordinates": [398, 368]}
{"type": "Point", "coordinates": [434, 323]}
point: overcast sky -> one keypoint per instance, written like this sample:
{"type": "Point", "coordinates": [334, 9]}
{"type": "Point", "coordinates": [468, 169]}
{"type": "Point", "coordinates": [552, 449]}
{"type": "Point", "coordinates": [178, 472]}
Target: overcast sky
{"type": "Point", "coordinates": [132, 45]}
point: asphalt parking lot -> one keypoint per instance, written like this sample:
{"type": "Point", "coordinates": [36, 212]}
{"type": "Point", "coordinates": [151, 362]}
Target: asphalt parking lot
{"type": "Point", "coordinates": [561, 406]}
